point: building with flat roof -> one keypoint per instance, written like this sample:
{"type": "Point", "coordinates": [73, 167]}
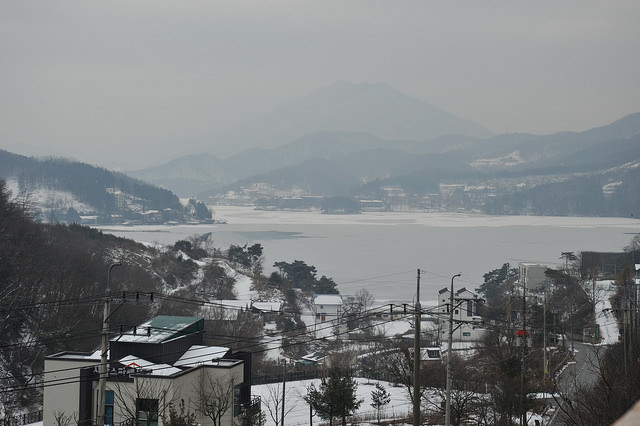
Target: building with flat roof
{"type": "Point", "coordinates": [156, 365]}
{"type": "Point", "coordinates": [534, 276]}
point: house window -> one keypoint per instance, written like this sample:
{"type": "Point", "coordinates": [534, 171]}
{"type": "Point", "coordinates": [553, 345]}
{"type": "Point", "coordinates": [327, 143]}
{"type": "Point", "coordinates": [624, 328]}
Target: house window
{"type": "Point", "coordinates": [108, 408]}
{"type": "Point", "coordinates": [237, 402]}
{"type": "Point", "coordinates": [147, 410]}
{"type": "Point", "coordinates": [466, 334]}
{"type": "Point", "coordinates": [456, 312]}
{"type": "Point", "coordinates": [469, 308]}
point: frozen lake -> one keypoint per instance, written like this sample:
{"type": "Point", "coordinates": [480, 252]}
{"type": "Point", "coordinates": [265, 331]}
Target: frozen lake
{"type": "Point", "coordinates": [382, 251]}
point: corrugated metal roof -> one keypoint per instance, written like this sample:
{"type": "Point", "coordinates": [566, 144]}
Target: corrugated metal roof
{"type": "Point", "coordinates": [153, 368]}
{"type": "Point", "coordinates": [198, 354]}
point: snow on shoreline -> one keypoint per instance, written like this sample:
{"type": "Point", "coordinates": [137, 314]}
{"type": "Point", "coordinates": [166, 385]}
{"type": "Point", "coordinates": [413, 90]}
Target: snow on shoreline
{"type": "Point", "coordinates": [248, 215]}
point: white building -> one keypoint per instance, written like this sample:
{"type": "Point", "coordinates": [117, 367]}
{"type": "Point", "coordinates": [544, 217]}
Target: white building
{"type": "Point", "coordinates": [467, 325]}
{"type": "Point", "coordinates": [533, 275]}
{"type": "Point", "coordinates": [327, 307]}
{"type": "Point", "coordinates": [153, 366]}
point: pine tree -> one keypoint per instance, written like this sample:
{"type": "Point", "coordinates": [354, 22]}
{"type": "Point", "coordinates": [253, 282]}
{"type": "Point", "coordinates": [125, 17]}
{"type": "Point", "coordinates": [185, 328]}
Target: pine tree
{"type": "Point", "coordinates": [379, 398]}
{"type": "Point", "coordinates": [336, 395]}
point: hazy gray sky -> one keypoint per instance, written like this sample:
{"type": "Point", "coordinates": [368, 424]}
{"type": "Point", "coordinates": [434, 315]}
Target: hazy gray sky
{"type": "Point", "coordinates": [93, 79]}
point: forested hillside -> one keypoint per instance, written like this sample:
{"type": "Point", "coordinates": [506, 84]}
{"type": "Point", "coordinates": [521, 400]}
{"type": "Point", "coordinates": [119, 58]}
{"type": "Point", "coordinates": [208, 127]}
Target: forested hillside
{"type": "Point", "coordinates": [53, 282]}
{"type": "Point", "coordinates": [52, 285]}
{"type": "Point", "coordinates": [62, 190]}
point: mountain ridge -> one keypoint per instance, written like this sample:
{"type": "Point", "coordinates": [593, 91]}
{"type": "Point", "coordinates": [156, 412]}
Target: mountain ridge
{"type": "Point", "coordinates": [71, 188]}
{"type": "Point", "coordinates": [378, 109]}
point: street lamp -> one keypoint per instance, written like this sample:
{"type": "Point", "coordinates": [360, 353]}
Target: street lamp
{"type": "Point", "coordinates": [449, 374]}
{"type": "Point", "coordinates": [417, 356]}
{"type": "Point", "coordinates": [102, 384]}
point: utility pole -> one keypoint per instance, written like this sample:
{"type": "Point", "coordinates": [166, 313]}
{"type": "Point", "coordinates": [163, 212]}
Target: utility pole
{"type": "Point", "coordinates": [416, 356]}
{"type": "Point", "coordinates": [449, 349]}
{"type": "Point", "coordinates": [544, 333]}
{"type": "Point", "coordinates": [633, 309]}
{"type": "Point", "coordinates": [593, 296]}
{"type": "Point", "coordinates": [625, 337]}
{"type": "Point", "coordinates": [284, 384]}
{"type": "Point", "coordinates": [636, 281]}
{"type": "Point", "coordinates": [523, 341]}
{"type": "Point", "coordinates": [102, 384]}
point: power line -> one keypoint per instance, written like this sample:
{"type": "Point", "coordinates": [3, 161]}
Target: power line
{"type": "Point", "coordinates": [62, 381]}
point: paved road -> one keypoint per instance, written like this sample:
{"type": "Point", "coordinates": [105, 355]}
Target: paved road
{"type": "Point", "coordinates": [582, 372]}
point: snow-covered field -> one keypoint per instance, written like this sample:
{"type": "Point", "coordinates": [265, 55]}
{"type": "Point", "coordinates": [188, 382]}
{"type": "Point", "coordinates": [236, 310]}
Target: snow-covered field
{"type": "Point", "coordinates": [399, 406]}
{"type": "Point", "coordinates": [49, 198]}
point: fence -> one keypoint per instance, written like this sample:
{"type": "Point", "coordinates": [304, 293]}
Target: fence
{"type": "Point", "coordinates": [23, 419]}
{"type": "Point", "coordinates": [314, 372]}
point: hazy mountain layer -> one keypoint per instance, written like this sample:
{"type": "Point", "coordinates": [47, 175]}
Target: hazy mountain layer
{"type": "Point", "coordinates": [377, 109]}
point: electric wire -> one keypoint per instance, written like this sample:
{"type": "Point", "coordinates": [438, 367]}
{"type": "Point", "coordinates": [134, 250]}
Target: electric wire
{"type": "Point", "coordinates": [61, 381]}
{"type": "Point", "coordinates": [376, 310]}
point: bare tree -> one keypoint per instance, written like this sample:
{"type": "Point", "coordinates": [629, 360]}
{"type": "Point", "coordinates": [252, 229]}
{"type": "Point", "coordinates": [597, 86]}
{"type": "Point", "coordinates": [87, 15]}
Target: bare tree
{"type": "Point", "coordinates": [273, 402]}
{"type": "Point", "coordinates": [62, 419]}
{"type": "Point", "coordinates": [216, 396]}
{"type": "Point", "coordinates": [145, 399]}
{"type": "Point", "coordinates": [465, 397]}
{"type": "Point", "coordinates": [399, 366]}
{"type": "Point", "coordinates": [605, 400]}
{"type": "Point", "coordinates": [179, 418]}
{"type": "Point", "coordinates": [355, 307]}
{"type": "Point", "coordinates": [634, 244]}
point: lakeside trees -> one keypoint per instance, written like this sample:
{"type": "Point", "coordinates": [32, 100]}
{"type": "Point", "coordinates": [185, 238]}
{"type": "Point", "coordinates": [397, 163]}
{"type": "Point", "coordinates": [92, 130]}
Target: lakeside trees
{"type": "Point", "coordinates": [302, 276]}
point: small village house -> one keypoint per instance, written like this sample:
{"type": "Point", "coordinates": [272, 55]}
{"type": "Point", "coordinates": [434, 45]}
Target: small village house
{"type": "Point", "coordinates": [467, 324]}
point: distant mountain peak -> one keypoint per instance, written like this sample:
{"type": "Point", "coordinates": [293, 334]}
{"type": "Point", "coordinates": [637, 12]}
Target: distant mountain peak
{"type": "Point", "coordinates": [345, 86]}
{"type": "Point", "coordinates": [374, 108]}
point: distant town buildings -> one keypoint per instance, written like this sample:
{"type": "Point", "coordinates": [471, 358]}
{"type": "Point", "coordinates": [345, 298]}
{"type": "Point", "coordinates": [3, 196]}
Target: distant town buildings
{"type": "Point", "coordinates": [392, 198]}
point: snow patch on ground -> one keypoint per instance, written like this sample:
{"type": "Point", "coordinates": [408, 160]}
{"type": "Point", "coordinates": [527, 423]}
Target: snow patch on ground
{"type": "Point", "coordinates": [48, 198]}
{"type": "Point", "coordinates": [606, 320]}
{"type": "Point", "coordinates": [509, 160]}
{"type": "Point", "coordinates": [272, 342]}
{"type": "Point", "coordinates": [243, 287]}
